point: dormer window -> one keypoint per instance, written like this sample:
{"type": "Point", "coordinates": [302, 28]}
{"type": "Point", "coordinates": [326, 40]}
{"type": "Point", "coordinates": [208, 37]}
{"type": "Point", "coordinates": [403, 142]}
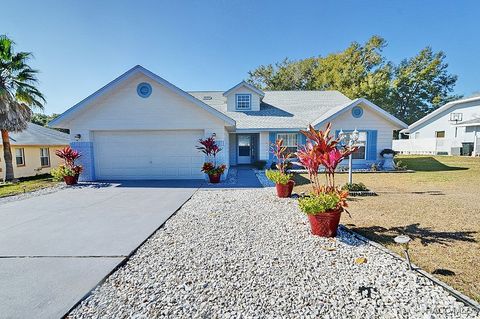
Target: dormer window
{"type": "Point", "coordinates": [243, 101]}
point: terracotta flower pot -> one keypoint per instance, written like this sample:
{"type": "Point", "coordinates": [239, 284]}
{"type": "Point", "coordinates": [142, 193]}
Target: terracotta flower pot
{"type": "Point", "coordinates": [325, 224]}
{"type": "Point", "coordinates": [285, 190]}
{"type": "Point", "coordinates": [70, 180]}
{"type": "Point", "coordinates": [214, 178]}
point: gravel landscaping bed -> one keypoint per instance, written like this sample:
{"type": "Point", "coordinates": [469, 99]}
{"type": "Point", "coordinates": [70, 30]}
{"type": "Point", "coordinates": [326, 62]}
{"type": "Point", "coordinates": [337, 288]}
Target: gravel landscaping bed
{"type": "Point", "coordinates": [248, 254]}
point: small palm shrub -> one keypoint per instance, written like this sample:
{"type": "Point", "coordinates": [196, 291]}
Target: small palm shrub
{"type": "Point", "coordinates": [355, 187]}
{"type": "Point", "coordinates": [278, 177]}
{"type": "Point", "coordinates": [321, 202]}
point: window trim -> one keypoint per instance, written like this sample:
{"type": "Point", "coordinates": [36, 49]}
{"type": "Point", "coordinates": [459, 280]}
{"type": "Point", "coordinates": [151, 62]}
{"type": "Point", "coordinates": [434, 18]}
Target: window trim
{"type": "Point", "coordinates": [288, 146]}
{"type": "Point", "coordinates": [444, 134]}
{"type": "Point", "coordinates": [48, 156]}
{"type": "Point", "coordinates": [22, 151]}
{"type": "Point", "coordinates": [249, 104]}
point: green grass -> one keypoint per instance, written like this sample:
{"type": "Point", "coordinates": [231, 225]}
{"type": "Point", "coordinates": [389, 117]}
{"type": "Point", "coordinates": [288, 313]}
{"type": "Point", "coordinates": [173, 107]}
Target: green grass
{"type": "Point", "coordinates": [26, 185]}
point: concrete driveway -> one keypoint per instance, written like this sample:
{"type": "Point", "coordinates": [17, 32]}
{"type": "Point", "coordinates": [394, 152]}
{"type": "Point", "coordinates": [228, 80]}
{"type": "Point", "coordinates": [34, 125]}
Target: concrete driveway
{"type": "Point", "coordinates": [55, 248]}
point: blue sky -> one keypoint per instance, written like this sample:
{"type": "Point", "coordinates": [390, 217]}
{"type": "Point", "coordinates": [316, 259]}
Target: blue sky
{"type": "Point", "coordinates": [80, 46]}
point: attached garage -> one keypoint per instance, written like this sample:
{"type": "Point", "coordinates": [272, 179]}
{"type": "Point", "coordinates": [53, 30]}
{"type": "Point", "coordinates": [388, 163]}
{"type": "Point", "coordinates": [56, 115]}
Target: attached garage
{"type": "Point", "coordinates": [142, 127]}
{"type": "Point", "coordinates": [127, 155]}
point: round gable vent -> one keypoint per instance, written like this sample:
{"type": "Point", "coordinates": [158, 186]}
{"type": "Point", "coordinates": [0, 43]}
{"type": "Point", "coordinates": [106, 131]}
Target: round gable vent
{"type": "Point", "coordinates": [144, 89]}
{"type": "Point", "coordinates": [357, 112]}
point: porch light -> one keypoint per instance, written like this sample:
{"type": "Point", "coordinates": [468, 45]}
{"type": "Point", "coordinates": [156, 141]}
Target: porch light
{"type": "Point", "coordinates": [403, 240]}
{"type": "Point", "coordinates": [77, 137]}
{"type": "Point", "coordinates": [355, 136]}
{"type": "Point", "coordinates": [341, 135]}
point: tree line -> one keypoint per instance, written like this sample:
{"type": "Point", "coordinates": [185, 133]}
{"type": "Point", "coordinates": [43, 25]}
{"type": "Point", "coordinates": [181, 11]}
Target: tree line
{"type": "Point", "coordinates": [408, 90]}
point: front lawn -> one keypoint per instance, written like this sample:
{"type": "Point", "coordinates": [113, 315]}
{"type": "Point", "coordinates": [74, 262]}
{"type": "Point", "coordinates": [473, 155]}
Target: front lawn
{"type": "Point", "coordinates": [26, 185]}
{"type": "Point", "coordinates": [438, 206]}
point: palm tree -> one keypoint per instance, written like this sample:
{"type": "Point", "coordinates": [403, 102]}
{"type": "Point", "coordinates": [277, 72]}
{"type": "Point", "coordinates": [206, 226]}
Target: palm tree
{"type": "Point", "coordinates": [18, 95]}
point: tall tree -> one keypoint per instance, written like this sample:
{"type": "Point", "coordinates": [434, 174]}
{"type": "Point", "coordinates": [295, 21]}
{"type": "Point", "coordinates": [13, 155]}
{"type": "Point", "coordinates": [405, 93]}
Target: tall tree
{"type": "Point", "coordinates": [18, 94]}
{"type": "Point", "coordinates": [420, 85]}
{"type": "Point", "coordinates": [409, 90]}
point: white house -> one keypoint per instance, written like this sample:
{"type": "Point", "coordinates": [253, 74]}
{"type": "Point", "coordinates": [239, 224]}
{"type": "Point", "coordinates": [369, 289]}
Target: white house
{"type": "Point", "coordinates": [453, 129]}
{"type": "Point", "coordinates": [140, 126]}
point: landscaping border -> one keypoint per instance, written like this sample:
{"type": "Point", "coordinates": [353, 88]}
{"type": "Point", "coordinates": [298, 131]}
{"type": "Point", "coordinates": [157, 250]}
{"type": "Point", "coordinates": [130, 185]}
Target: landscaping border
{"type": "Point", "coordinates": [126, 259]}
{"type": "Point", "coordinates": [452, 291]}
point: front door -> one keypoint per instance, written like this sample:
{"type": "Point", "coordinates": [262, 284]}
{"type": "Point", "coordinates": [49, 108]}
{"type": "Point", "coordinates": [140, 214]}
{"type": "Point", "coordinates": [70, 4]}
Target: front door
{"type": "Point", "coordinates": [244, 149]}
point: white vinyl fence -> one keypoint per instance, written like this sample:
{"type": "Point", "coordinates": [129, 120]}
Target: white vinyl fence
{"type": "Point", "coordinates": [427, 146]}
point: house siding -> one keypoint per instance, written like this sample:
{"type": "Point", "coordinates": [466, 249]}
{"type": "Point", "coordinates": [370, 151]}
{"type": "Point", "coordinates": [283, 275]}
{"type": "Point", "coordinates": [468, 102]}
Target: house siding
{"type": "Point", "coordinates": [373, 124]}
{"type": "Point", "coordinates": [32, 165]}
{"type": "Point", "coordinates": [441, 122]}
{"type": "Point", "coordinates": [231, 103]}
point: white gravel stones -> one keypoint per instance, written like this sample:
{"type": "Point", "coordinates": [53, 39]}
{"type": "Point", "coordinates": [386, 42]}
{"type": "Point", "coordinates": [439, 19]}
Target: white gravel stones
{"type": "Point", "coordinates": [248, 254]}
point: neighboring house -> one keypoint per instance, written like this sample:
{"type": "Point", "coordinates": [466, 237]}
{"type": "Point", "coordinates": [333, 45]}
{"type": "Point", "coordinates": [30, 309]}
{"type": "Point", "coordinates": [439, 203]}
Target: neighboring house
{"type": "Point", "coordinates": [33, 151]}
{"type": "Point", "coordinates": [140, 126]}
{"type": "Point", "coordinates": [453, 129]}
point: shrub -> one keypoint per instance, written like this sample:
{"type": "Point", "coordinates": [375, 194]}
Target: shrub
{"type": "Point", "coordinates": [355, 187]}
{"type": "Point", "coordinates": [210, 169]}
{"type": "Point", "coordinates": [321, 202]}
{"type": "Point", "coordinates": [400, 165]}
{"type": "Point", "coordinates": [374, 167]}
{"type": "Point", "coordinates": [278, 177]}
{"type": "Point", "coordinates": [260, 164]}
{"type": "Point", "coordinates": [388, 151]}
{"type": "Point", "coordinates": [59, 172]}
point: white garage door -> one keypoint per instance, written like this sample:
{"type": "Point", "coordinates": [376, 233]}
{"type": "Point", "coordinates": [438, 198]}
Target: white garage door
{"type": "Point", "coordinates": [147, 155]}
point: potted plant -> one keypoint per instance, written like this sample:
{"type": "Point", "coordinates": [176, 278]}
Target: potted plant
{"type": "Point", "coordinates": [283, 181]}
{"type": "Point", "coordinates": [210, 148]}
{"type": "Point", "coordinates": [69, 171]}
{"type": "Point", "coordinates": [326, 202]}
{"type": "Point", "coordinates": [388, 155]}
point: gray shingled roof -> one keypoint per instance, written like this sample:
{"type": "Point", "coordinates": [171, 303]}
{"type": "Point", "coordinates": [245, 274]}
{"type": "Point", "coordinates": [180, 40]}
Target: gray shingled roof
{"type": "Point", "coordinates": [39, 135]}
{"type": "Point", "coordinates": [279, 109]}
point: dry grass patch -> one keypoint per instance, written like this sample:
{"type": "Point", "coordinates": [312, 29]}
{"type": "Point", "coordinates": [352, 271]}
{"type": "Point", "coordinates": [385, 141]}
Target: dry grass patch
{"type": "Point", "coordinates": [438, 206]}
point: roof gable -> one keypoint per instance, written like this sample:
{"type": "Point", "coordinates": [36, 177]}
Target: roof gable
{"type": "Point", "coordinates": [246, 85]}
{"type": "Point", "coordinates": [438, 111]}
{"type": "Point", "coordinates": [71, 112]}
{"type": "Point", "coordinates": [334, 112]}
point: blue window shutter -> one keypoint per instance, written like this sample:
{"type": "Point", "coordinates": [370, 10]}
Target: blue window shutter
{"type": "Point", "coordinates": [271, 139]}
{"type": "Point", "coordinates": [372, 145]}
{"type": "Point", "coordinates": [302, 139]}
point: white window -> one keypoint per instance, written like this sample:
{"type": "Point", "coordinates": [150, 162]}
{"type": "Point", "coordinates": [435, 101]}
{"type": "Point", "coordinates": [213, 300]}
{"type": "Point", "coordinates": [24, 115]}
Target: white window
{"type": "Point", "coordinates": [44, 157]}
{"type": "Point", "coordinates": [243, 101]}
{"type": "Point", "coordinates": [290, 140]}
{"type": "Point", "coordinates": [20, 156]}
{"type": "Point", "coordinates": [361, 144]}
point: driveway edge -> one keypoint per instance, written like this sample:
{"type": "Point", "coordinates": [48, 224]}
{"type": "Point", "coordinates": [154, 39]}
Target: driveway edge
{"type": "Point", "coordinates": [126, 259]}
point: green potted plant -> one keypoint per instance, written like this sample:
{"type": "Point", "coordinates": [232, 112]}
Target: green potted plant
{"type": "Point", "coordinates": [210, 148]}
{"type": "Point", "coordinates": [283, 181]}
{"type": "Point", "coordinates": [326, 201]}
{"type": "Point", "coordinates": [69, 171]}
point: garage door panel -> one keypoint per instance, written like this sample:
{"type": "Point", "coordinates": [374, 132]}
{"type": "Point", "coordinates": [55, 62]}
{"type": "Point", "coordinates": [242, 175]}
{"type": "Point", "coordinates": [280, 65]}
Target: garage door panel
{"type": "Point", "coordinates": [148, 155]}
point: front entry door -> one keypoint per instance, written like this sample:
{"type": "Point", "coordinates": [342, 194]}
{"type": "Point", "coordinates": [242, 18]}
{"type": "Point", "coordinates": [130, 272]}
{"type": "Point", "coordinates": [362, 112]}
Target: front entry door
{"type": "Point", "coordinates": [244, 149]}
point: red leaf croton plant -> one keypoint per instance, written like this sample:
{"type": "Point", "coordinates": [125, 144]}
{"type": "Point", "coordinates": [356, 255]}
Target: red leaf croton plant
{"type": "Point", "coordinates": [322, 150]}
{"type": "Point", "coordinates": [69, 156]}
{"type": "Point", "coordinates": [210, 148]}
